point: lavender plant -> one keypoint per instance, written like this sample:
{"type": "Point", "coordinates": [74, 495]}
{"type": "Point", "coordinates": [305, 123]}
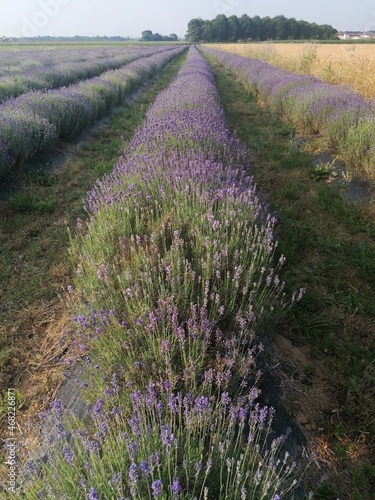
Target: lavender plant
{"type": "Point", "coordinates": [175, 284]}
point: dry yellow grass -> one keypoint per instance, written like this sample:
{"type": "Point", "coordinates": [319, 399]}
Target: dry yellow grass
{"type": "Point", "coordinates": [348, 64]}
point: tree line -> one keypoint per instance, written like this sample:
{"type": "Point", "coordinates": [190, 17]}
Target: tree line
{"type": "Point", "coordinates": [149, 36]}
{"type": "Point", "coordinates": [234, 29]}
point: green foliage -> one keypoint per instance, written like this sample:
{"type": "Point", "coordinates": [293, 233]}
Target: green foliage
{"type": "Point", "coordinates": [6, 356]}
{"type": "Point", "coordinates": [233, 29]}
{"type": "Point", "coordinates": [364, 475]}
{"type": "Point", "coordinates": [361, 392]}
{"type": "Point", "coordinates": [4, 401]}
{"type": "Point", "coordinates": [357, 145]}
{"type": "Point", "coordinates": [325, 492]}
{"type": "Point", "coordinates": [149, 36]}
{"type": "Point", "coordinates": [30, 201]}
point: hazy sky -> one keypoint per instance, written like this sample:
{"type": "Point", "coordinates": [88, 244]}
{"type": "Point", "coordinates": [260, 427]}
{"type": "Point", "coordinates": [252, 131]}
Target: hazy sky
{"type": "Point", "coordinates": [131, 17]}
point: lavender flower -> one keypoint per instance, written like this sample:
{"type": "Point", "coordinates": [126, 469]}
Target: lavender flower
{"type": "Point", "coordinates": [145, 468]}
{"type": "Point", "coordinates": [116, 478]}
{"type": "Point", "coordinates": [93, 495]}
{"type": "Point", "coordinates": [98, 407]}
{"type": "Point", "coordinates": [176, 488]}
{"type": "Point", "coordinates": [133, 473]}
{"type": "Point", "coordinates": [34, 121]}
{"type": "Point", "coordinates": [194, 296]}
{"type": "Point", "coordinates": [68, 455]}
{"type": "Point", "coordinates": [156, 487]}
{"type": "Point", "coordinates": [57, 407]}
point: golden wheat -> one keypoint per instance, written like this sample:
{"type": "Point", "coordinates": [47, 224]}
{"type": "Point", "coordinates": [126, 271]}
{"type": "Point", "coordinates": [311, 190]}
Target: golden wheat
{"type": "Point", "coordinates": [347, 64]}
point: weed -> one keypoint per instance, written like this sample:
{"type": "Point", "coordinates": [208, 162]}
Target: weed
{"type": "Point", "coordinates": [308, 58]}
{"type": "Point", "coordinates": [30, 201]}
{"type": "Point", "coordinates": [6, 356]}
{"type": "Point", "coordinates": [39, 177]}
{"type": "Point", "coordinates": [364, 475]}
{"type": "Point", "coordinates": [310, 370]}
{"type": "Point", "coordinates": [326, 491]}
{"type": "Point", "coordinates": [4, 401]}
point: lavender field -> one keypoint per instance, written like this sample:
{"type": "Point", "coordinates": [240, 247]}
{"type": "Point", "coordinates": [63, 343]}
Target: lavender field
{"type": "Point", "coordinates": [176, 286]}
{"type": "Point", "coordinates": [179, 284]}
{"type": "Point", "coordinates": [344, 119]}
{"type": "Point", "coordinates": [32, 123]}
{"type": "Point", "coordinates": [25, 70]}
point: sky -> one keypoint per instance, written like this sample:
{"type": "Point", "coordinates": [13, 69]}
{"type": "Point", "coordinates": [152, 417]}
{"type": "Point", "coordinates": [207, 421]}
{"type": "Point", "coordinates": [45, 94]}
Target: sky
{"type": "Point", "coordinates": [131, 17]}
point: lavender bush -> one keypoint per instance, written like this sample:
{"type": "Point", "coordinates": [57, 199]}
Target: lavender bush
{"type": "Point", "coordinates": [31, 123]}
{"type": "Point", "coordinates": [342, 116]}
{"type": "Point", "coordinates": [176, 282]}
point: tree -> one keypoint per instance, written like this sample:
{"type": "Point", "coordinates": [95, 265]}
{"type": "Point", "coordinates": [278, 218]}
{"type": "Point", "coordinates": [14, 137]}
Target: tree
{"type": "Point", "coordinates": [147, 35]}
{"type": "Point", "coordinates": [281, 27]}
{"type": "Point", "coordinates": [327, 32]}
{"type": "Point", "coordinates": [268, 32]}
{"type": "Point", "coordinates": [246, 27]}
{"type": "Point", "coordinates": [234, 28]}
{"type": "Point", "coordinates": [257, 28]}
{"type": "Point", "coordinates": [207, 32]}
{"type": "Point", "coordinates": [194, 31]}
{"type": "Point", "coordinates": [293, 30]}
{"type": "Point", "coordinates": [220, 28]}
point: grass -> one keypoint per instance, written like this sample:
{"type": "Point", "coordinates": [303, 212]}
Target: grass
{"type": "Point", "coordinates": [34, 261]}
{"type": "Point", "coordinates": [329, 247]}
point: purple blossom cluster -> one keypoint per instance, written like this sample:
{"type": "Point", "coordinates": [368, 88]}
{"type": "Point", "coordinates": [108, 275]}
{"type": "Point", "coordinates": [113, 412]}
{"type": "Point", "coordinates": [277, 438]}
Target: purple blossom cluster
{"type": "Point", "coordinates": [32, 122]}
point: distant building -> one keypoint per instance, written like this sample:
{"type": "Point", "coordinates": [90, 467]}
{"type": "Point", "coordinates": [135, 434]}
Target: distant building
{"type": "Point", "coordinates": [355, 35]}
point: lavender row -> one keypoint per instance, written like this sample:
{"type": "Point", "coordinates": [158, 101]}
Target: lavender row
{"type": "Point", "coordinates": [31, 70]}
{"type": "Point", "coordinates": [175, 278]}
{"type": "Point", "coordinates": [33, 122]}
{"type": "Point", "coordinates": [343, 117]}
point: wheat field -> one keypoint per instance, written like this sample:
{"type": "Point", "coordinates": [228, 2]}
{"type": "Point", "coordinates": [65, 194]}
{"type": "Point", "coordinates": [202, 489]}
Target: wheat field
{"type": "Point", "coordinates": [347, 64]}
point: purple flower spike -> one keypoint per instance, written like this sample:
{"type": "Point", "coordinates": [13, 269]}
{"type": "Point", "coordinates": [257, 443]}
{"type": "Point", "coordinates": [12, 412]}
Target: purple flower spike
{"type": "Point", "coordinates": [156, 487]}
{"type": "Point", "coordinates": [98, 407]}
{"type": "Point", "coordinates": [133, 473]}
{"type": "Point", "coordinates": [68, 455]}
{"type": "Point", "coordinates": [176, 488]}
{"type": "Point", "coordinates": [57, 407]}
{"type": "Point", "coordinates": [93, 495]}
